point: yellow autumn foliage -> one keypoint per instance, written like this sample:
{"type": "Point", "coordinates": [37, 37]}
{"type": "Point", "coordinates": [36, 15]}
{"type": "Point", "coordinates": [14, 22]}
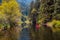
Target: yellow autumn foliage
{"type": "Point", "coordinates": [33, 10]}
{"type": "Point", "coordinates": [10, 11]}
{"type": "Point", "coordinates": [55, 25]}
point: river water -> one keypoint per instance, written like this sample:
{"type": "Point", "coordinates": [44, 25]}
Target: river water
{"type": "Point", "coordinates": [25, 4]}
{"type": "Point", "coordinates": [24, 35]}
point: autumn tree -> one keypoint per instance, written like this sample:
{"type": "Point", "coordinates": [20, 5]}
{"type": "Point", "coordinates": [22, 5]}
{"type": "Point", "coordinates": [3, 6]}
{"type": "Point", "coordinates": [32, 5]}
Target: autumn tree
{"type": "Point", "coordinates": [46, 13]}
{"type": "Point", "coordinates": [49, 12]}
{"type": "Point", "coordinates": [10, 20]}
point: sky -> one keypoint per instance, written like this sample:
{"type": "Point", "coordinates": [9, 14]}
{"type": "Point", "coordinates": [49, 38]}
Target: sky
{"type": "Point", "coordinates": [25, 4]}
{"type": "Point", "coordinates": [26, 1]}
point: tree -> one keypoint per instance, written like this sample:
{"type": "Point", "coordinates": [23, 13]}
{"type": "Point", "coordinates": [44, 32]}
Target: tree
{"type": "Point", "coordinates": [46, 10]}
{"type": "Point", "coordinates": [10, 19]}
{"type": "Point", "coordinates": [33, 17]}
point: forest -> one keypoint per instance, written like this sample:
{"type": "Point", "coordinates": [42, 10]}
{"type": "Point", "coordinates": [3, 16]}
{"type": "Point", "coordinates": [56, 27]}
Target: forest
{"type": "Point", "coordinates": [29, 19]}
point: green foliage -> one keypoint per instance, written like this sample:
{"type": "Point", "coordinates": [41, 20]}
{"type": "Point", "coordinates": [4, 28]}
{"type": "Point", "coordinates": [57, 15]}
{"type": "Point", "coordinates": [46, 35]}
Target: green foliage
{"type": "Point", "coordinates": [58, 24]}
{"type": "Point", "coordinates": [49, 12]}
